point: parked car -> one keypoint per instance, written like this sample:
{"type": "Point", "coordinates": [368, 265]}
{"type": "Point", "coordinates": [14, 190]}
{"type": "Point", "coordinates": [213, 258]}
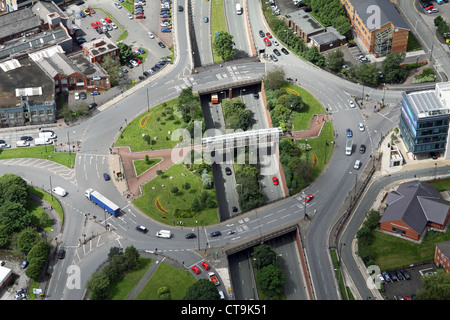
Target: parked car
{"type": "Point", "coordinates": [386, 276]}
{"type": "Point", "coordinates": [276, 52]}
{"type": "Point", "coordinates": [134, 63]}
{"type": "Point", "coordinates": [228, 171]}
{"type": "Point", "coordinates": [26, 138]}
{"type": "Point", "coordinates": [83, 95]}
{"type": "Point", "coordinates": [195, 269]}
{"type": "Point", "coordinates": [151, 35]}
{"type": "Point", "coordinates": [399, 274]}
{"type": "Point", "coordinates": [76, 96]}
{"type": "Point", "coordinates": [406, 274]}
{"type": "Point", "coordinates": [161, 44]}
{"type": "Point", "coordinates": [166, 30]}
{"type": "Point", "coordinates": [95, 93]}
{"type": "Point", "coordinates": [267, 42]}
{"type": "Point", "coordinates": [106, 176]}
{"type": "Point", "coordinates": [393, 276]}
{"type": "Point", "coordinates": [61, 253]}
{"type": "Point", "coordinates": [284, 51]}
{"type": "Point", "coordinates": [205, 265]}
{"type": "Point", "coordinates": [268, 35]}
{"type": "Point", "coordinates": [108, 20]}
{"type": "Point", "coordinates": [273, 58]}
{"type": "Point", "coordinates": [118, 5]}
{"type": "Point", "coordinates": [261, 34]}
{"type": "Point", "coordinates": [275, 181]}
{"type": "Point", "coordinates": [24, 263]}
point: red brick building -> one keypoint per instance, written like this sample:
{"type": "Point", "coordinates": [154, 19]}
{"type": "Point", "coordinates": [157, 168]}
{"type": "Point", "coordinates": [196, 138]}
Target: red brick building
{"type": "Point", "coordinates": [442, 255]}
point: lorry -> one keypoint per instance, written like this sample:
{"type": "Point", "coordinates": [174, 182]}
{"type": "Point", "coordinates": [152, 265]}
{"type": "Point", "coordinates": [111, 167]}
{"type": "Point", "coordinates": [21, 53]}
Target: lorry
{"type": "Point", "coordinates": [214, 98]}
{"type": "Point", "coordinates": [164, 234]}
{"type": "Point", "coordinates": [213, 278]}
{"type": "Point", "coordinates": [349, 147]}
{"type": "Point", "coordinates": [102, 202]}
{"type": "Point", "coordinates": [238, 8]}
{"type": "Point", "coordinates": [42, 141]}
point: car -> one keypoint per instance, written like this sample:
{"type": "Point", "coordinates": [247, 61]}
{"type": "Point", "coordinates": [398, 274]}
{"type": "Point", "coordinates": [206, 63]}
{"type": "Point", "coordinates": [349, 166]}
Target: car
{"type": "Point", "coordinates": [113, 25]}
{"type": "Point", "coordinates": [118, 5]}
{"type": "Point", "coordinates": [425, 5]}
{"type": "Point", "coordinates": [134, 63]}
{"type": "Point", "coordinates": [380, 277]}
{"type": "Point", "coordinates": [351, 44]}
{"type": "Point", "coordinates": [268, 35]}
{"type": "Point", "coordinates": [284, 51]}
{"type": "Point", "coordinates": [180, 8]}
{"type": "Point", "coordinates": [166, 30]}
{"type": "Point", "coordinates": [21, 290]}
{"type": "Point", "coordinates": [129, 65]}
{"type": "Point", "coordinates": [109, 27]}
{"type": "Point", "coordinates": [228, 171]}
{"type": "Point", "coordinates": [79, 3]}
{"type": "Point", "coordinates": [138, 60]}
{"type": "Point", "coordinates": [351, 103]}
{"type": "Point", "coordinates": [432, 11]}
{"type": "Point", "coordinates": [399, 274]}
{"type": "Point", "coordinates": [262, 34]}
{"type": "Point", "coordinates": [308, 198]}
{"type": "Point", "coordinates": [5, 145]}
{"type": "Point", "coordinates": [215, 234]}
{"type": "Point", "coordinates": [130, 16]}
{"type": "Point", "coordinates": [362, 149]}
{"type": "Point", "coordinates": [275, 43]}
{"type": "Point", "coordinates": [213, 278]}
{"type": "Point", "coordinates": [140, 16]}
{"type": "Point", "coordinates": [349, 133]}
{"type": "Point", "coordinates": [95, 93]}
{"type": "Point", "coordinates": [82, 14]}
{"type": "Point", "coordinates": [87, 12]}
{"type": "Point", "coordinates": [357, 164]}
{"type": "Point", "coordinates": [151, 35]}
{"type": "Point", "coordinates": [76, 96]}
{"type": "Point", "coordinates": [267, 42]}
{"type": "Point", "coordinates": [364, 59]}
{"type": "Point", "coordinates": [94, 25]}
{"type": "Point", "coordinates": [146, 74]}
{"type": "Point", "coordinates": [61, 253]}
{"type": "Point", "coordinates": [205, 265]}
{"type": "Point", "coordinates": [106, 176]}
{"type": "Point", "coordinates": [92, 11]}
{"type": "Point", "coordinates": [107, 19]}
{"type": "Point", "coordinates": [276, 52]}
{"type": "Point", "coordinates": [205, 19]}
{"type": "Point", "coordinates": [142, 78]}
{"type": "Point", "coordinates": [20, 296]}
{"type": "Point", "coordinates": [386, 276]}
{"type": "Point", "coordinates": [195, 269]}
{"type": "Point", "coordinates": [273, 58]}
{"type": "Point", "coordinates": [92, 106]}
{"type": "Point", "coordinates": [429, 7]}
{"type": "Point", "coordinates": [138, 11]}
{"type": "Point", "coordinates": [275, 181]}
{"type": "Point", "coordinates": [405, 274]}
{"type": "Point", "coordinates": [361, 127]}
{"type": "Point", "coordinates": [26, 138]}
{"type": "Point", "coordinates": [83, 95]}
{"type": "Point", "coordinates": [24, 263]}
{"type": "Point", "coordinates": [234, 209]}
{"type": "Point", "coordinates": [190, 236]}
{"type": "Point", "coordinates": [99, 30]}
{"type": "Point", "coordinates": [161, 44]}
{"type": "Point", "coordinates": [141, 229]}
{"type": "Point", "coordinates": [393, 276]}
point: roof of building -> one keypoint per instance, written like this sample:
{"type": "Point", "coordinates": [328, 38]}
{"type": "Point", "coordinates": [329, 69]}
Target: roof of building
{"type": "Point", "coordinates": [416, 203]}
{"type": "Point", "coordinates": [17, 22]}
{"type": "Point", "coordinates": [444, 247]}
{"type": "Point", "coordinates": [366, 10]}
{"type": "Point", "coordinates": [19, 77]}
{"type": "Point", "coordinates": [425, 103]}
{"type": "Point", "coordinates": [53, 61]}
{"type": "Point", "coordinates": [329, 36]}
{"type": "Point", "coordinates": [305, 21]}
{"type": "Point", "coordinates": [99, 46]}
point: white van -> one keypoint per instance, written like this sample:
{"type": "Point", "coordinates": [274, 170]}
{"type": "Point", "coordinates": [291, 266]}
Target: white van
{"type": "Point", "coordinates": [238, 8]}
{"type": "Point", "coordinates": [42, 141]}
{"type": "Point", "coordinates": [60, 191]}
{"type": "Point", "coordinates": [22, 143]}
{"type": "Point", "coordinates": [47, 134]}
{"type": "Point", "coordinates": [164, 234]}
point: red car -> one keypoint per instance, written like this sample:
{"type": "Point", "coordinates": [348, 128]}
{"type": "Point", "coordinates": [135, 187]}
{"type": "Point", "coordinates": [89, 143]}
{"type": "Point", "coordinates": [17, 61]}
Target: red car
{"type": "Point", "coordinates": [138, 60]}
{"type": "Point", "coordinates": [195, 269]}
{"type": "Point", "coordinates": [267, 42]}
{"type": "Point", "coordinates": [94, 25]}
{"type": "Point", "coordinates": [309, 198]}
{"type": "Point", "coordinates": [275, 181]}
{"type": "Point", "coordinates": [140, 16]}
{"type": "Point", "coordinates": [92, 11]}
{"type": "Point", "coordinates": [268, 35]}
{"type": "Point", "coordinates": [107, 19]}
{"type": "Point", "coordinates": [204, 265]}
{"type": "Point", "coordinates": [99, 25]}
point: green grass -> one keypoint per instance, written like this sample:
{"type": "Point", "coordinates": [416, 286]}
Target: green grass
{"type": "Point", "coordinates": [51, 200]}
{"type": "Point", "coordinates": [42, 152]}
{"type": "Point", "coordinates": [119, 291]}
{"type": "Point", "coordinates": [141, 165]}
{"type": "Point", "coordinates": [303, 119]}
{"type": "Point", "coordinates": [175, 205]}
{"type": "Point", "coordinates": [413, 44]}
{"type": "Point", "coordinates": [156, 125]}
{"type": "Point", "coordinates": [218, 23]}
{"type": "Point", "coordinates": [177, 280]}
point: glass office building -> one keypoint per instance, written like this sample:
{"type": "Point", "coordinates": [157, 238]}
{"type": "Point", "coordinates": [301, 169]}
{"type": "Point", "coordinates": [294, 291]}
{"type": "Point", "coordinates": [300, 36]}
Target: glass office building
{"type": "Point", "coordinates": [424, 119]}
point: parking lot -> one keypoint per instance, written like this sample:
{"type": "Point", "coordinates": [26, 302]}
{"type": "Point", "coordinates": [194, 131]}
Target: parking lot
{"type": "Point", "coordinates": [407, 288]}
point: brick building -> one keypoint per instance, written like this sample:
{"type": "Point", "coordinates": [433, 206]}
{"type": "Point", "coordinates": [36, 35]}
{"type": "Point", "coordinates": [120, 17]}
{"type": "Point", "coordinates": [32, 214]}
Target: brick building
{"type": "Point", "coordinates": [442, 255]}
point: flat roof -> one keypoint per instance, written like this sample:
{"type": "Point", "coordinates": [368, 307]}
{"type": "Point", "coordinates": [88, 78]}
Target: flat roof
{"type": "Point", "coordinates": [305, 21]}
{"type": "Point", "coordinates": [426, 103]}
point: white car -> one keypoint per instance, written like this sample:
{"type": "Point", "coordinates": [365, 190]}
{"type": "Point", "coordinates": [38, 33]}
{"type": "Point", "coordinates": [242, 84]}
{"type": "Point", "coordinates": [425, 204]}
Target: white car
{"type": "Point", "coordinates": [351, 103]}
{"type": "Point", "coordinates": [151, 35]}
{"type": "Point", "coordinates": [134, 63]}
{"type": "Point", "coordinates": [118, 5]}
{"type": "Point", "coordinates": [275, 42]}
{"type": "Point", "coordinates": [361, 127]}
{"type": "Point", "coordinates": [103, 21]}
{"type": "Point", "coordinates": [357, 164]}
{"type": "Point", "coordinates": [77, 96]}
{"type": "Point", "coordinates": [113, 25]}
{"type": "Point", "coordinates": [130, 16]}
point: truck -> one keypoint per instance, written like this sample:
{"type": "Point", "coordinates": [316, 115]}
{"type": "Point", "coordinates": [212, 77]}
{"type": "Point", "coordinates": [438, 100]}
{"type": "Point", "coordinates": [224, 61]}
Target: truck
{"type": "Point", "coordinates": [164, 234]}
{"type": "Point", "coordinates": [349, 147]}
{"type": "Point", "coordinates": [102, 202]}
{"type": "Point", "coordinates": [47, 134]}
{"type": "Point", "coordinates": [42, 141]}
{"type": "Point", "coordinates": [213, 278]}
{"type": "Point", "coordinates": [238, 8]}
{"type": "Point", "coordinates": [214, 98]}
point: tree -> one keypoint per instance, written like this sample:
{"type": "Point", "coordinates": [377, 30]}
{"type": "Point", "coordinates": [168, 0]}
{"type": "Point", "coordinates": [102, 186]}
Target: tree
{"type": "Point", "coordinates": [131, 257]}
{"type": "Point", "coordinates": [294, 102]}
{"type": "Point", "coordinates": [206, 179]}
{"type": "Point", "coordinates": [13, 188]}
{"type": "Point", "coordinates": [343, 26]}
{"type": "Point", "coordinates": [271, 280]}
{"type": "Point", "coordinates": [335, 60]}
{"type": "Point", "coordinates": [14, 216]}
{"type": "Point", "coordinates": [27, 239]}
{"type": "Point", "coordinates": [98, 286]}
{"type": "Point", "coordinates": [263, 256]}
{"type": "Point", "coordinates": [313, 55]}
{"type": "Point", "coordinates": [203, 289]}
{"type": "Point", "coordinates": [273, 78]}
{"type": "Point", "coordinates": [186, 186]}
{"type": "Point", "coordinates": [174, 190]}
{"type": "Point", "coordinates": [391, 67]}
{"type": "Point", "coordinates": [367, 73]}
{"type": "Point", "coordinates": [223, 44]}
{"type": "Point", "coordinates": [196, 205]}
{"type": "Point", "coordinates": [435, 286]}
{"type": "Point", "coordinates": [125, 52]}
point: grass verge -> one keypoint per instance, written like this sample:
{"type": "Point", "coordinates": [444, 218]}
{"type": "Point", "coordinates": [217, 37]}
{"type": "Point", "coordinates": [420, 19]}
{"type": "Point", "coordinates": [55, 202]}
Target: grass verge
{"type": "Point", "coordinates": [40, 152]}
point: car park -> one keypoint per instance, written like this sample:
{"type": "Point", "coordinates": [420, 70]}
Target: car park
{"type": "Point", "coordinates": [195, 269]}
{"type": "Point", "coordinates": [190, 236]}
{"type": "Point", "coordinates": [275, 181]}
{"type": "Point", "coordinates": [309, 198]}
